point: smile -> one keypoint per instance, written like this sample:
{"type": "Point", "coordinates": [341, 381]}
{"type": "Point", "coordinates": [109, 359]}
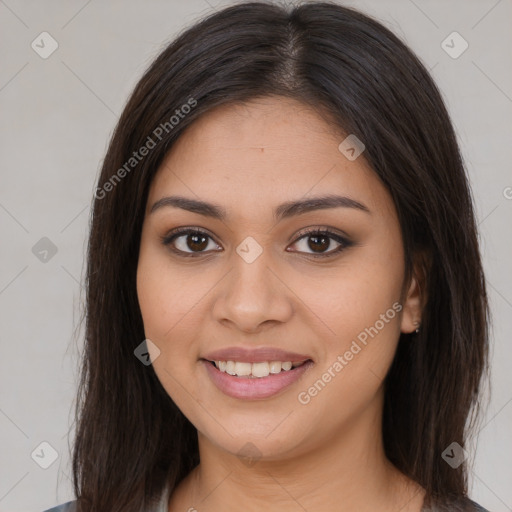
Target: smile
{"type": "Point", "coordinates": [254, 381]}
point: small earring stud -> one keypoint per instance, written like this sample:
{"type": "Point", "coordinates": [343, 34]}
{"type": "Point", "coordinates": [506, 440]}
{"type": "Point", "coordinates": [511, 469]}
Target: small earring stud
{"type": "Point", "coordinates": [417, 324]}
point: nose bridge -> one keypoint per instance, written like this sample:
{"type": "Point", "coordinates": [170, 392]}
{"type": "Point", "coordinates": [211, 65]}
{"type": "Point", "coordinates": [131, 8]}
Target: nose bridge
{"type": "Point", "coordinates": [252, 293]}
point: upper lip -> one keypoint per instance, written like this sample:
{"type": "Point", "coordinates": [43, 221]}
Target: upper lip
{"type": "Point", "coordinates": [254, 355]}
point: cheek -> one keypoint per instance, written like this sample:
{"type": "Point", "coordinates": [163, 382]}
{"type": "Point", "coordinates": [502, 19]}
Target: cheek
{"type": "Point", "coordinates": [172, 299]}
{"type": "Point", "coordinates": [355, 295]}
{"type": "Point", "coordinates": [167, 309]}
{"type": "Point", "coordinates": [360, 303]}
{"type": "Point", "coordinates": [166, 296]}
{"type": "Point", "coordinates": [349, 378]}
{"type": "Point", "coordinates": [154, 296]}
{"type": "Point", "coordinates": [166, 301]}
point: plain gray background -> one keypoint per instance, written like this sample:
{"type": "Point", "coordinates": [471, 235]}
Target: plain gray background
{"type": "Point", "coordinates": [57, 115]}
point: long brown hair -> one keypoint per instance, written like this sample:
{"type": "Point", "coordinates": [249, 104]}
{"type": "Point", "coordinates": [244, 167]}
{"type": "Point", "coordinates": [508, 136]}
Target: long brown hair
{"type": "Point", "coordinates": [131, 439]}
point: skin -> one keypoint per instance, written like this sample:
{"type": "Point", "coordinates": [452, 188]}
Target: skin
{"type": "Point", "coordinates": [318, 456]}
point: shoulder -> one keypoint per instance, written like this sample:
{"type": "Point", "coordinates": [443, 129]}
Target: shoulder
{"type": "Point", "coordinates": [455, 505]}
{"type": "Point", "coordinates": [478, 508]}
{"type": "Point", "coordinates": [70, 506]}
{"type": "Point", "coordinates": [471, 506]}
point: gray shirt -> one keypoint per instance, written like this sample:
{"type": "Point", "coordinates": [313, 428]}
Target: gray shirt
{"type": "Point", "coordinates": [70, 506]}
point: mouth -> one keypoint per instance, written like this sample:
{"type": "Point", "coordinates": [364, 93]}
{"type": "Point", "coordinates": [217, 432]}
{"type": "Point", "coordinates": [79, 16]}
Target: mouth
{"type": "Point", "coordinates": [253, 381]}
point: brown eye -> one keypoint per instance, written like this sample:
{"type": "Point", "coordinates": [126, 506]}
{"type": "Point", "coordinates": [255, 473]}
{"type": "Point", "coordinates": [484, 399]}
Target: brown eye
{"type": "Point", "coordinates": [319, 241]}
{"type": "Point", "coordinates": [196, 241]}
{"type": "Point", "coordinates": [188, 241]}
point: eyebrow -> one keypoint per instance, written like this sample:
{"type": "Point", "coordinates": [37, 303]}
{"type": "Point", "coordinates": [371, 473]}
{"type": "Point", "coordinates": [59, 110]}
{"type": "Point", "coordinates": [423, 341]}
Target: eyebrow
{"type": "Point", "coordinates": [285, 210]}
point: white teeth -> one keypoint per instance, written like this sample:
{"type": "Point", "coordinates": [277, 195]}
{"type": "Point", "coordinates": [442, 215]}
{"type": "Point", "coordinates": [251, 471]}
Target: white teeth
{"type": "Point", "coordinates": [260, 369]}
{"type": "Point", "coordinates": [255, 370]}
{"type": "Point", "coordinates": [275, 366]}
{"type": "Point", "coordinates": [242, 368]}
{"type": "Point", "coordinates": [230, 367]}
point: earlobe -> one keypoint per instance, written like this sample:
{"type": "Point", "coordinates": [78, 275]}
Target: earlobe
{"type": "Point", "coordinates": [416, 296]}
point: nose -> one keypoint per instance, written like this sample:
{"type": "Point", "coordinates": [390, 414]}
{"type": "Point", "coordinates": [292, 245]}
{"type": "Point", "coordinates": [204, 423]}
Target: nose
{"type": "Point", "coordinates": [252, 295]}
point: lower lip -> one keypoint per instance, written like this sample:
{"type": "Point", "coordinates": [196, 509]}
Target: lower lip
{"type": "Point", "coordinates": [255, 388]}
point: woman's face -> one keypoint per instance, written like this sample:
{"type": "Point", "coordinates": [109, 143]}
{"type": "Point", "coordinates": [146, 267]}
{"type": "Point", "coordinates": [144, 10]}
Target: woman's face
{"type": "Point", "coordinates": [251, 281]}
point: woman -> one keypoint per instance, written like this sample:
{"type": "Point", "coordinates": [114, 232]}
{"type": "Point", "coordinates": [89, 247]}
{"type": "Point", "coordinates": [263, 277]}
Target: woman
{"type": "Point", "coordinates": [286, 307]}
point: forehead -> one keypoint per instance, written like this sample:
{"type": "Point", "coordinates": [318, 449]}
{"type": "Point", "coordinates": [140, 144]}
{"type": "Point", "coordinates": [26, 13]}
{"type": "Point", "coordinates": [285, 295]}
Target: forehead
{"type": "Point", "coordinates": [267, 150]}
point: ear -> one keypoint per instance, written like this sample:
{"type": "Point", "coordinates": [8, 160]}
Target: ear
{"type": "Point", "coordinates": [415, 298]}
{"type": "Point", "coordinates": [411, 312]}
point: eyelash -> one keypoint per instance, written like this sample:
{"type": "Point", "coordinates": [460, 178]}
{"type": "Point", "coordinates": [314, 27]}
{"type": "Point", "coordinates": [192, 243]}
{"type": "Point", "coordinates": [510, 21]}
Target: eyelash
{"type": "Point", "coordinates": [168, 239]}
